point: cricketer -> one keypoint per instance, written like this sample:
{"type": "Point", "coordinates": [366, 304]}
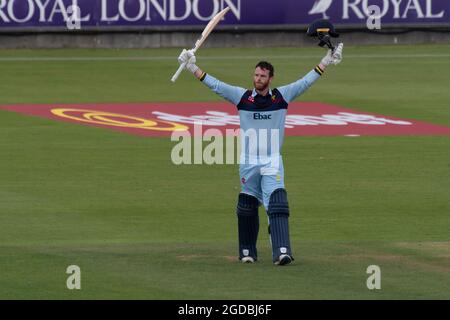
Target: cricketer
{"type": "Point", "coordinates": [262, 109]}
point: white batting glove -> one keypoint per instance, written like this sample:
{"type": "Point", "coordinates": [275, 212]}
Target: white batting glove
{"type": "Point", "coordinates": [188, 57]}
{"type": "Point", "coordinates": [337, 55]}
{"type": "Point", "coordinates": [333, 57]}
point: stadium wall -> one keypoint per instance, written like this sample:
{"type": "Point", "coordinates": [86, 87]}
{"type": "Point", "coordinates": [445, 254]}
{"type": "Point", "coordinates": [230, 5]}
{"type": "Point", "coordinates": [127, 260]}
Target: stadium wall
{"type": "Point", "coordinates": [222, 38]}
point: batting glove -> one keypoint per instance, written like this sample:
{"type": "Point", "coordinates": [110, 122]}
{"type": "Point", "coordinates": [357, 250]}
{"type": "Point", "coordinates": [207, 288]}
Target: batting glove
{"type": "Point", "coordinates": [333, 57]}
{"type": "Point", "coordinates": [188, 57]}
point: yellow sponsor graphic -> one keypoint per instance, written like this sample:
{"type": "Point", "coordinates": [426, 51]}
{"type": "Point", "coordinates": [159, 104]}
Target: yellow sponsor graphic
{"type": "Point", "coordinates": [117, 120]}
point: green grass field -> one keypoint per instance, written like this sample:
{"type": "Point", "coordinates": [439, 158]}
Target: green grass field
{"type": "Point", "coordinates": [140, 227]}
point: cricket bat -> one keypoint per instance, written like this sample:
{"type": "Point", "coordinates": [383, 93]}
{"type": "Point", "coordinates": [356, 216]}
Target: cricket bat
{"type": "Point", "coordinates": [208, 29]}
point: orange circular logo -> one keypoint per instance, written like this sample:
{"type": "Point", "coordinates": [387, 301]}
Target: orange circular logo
{"type": "Point", "coordinates": [117, 120]}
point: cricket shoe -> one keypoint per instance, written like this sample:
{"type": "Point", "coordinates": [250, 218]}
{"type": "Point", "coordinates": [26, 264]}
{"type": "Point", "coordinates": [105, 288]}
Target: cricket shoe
{"type": "Point", "coordinates": [248, 260]}
{"type": "Point", "coordinates": [284, 259]}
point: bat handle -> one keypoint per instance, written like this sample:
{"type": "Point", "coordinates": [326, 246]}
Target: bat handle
{"type": "Point", "coordinates": [177, 74]}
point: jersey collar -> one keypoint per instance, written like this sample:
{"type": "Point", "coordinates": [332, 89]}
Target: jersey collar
{"type": "Point", "coordinates": [254, 93]}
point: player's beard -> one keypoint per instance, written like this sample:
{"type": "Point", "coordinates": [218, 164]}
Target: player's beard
{"type": "Point", "coordinates": [260, 86]}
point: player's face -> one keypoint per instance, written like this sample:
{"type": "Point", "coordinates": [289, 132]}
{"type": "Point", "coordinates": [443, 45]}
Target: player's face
{"type": "Point", "coordinates": [261, 79]}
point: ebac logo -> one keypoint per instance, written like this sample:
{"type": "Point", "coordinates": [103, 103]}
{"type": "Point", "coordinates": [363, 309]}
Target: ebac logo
{"type": "Point", "coordinates": [261, 116]}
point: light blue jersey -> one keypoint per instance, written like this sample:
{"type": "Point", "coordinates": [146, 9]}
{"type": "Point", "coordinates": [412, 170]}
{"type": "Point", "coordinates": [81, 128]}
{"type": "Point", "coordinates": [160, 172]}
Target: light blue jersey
{"type": "Point", "coordinates": [262, 123]}
{"type": "Point", "coordinates": [264, 116]}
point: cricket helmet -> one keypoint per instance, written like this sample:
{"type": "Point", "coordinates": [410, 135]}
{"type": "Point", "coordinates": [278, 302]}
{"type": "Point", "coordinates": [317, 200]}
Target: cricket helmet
{"type": "Point", "coordinates": [322, 26]}
{"type": "Point", "coordinates": [322, 29]}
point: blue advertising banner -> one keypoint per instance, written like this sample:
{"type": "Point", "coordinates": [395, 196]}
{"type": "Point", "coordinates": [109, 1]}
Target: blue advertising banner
{"type": "Point", "coordinates": [166, 13]}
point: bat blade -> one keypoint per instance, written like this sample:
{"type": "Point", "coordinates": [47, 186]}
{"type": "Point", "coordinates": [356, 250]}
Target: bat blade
{"type": "Point", "coordinates": [210, 27]}
{"type": "Point", "coordinates": [206, 32]}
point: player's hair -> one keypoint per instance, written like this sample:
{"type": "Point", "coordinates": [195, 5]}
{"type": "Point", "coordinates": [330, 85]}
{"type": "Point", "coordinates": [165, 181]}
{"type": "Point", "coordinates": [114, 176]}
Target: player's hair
{"type": "Point", "coordinates": [266, 65]}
